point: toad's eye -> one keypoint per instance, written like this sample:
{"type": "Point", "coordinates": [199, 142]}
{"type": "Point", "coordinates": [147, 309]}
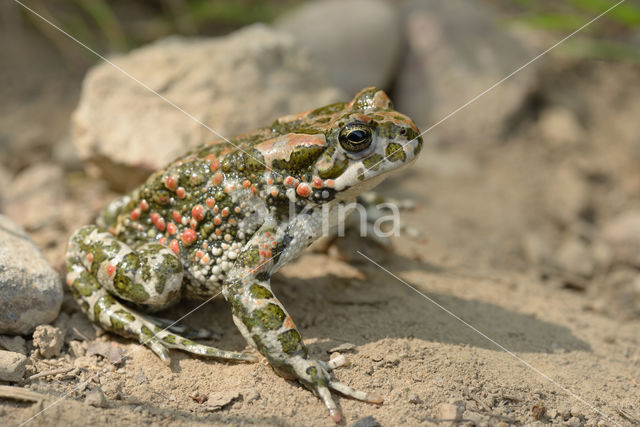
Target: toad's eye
{"type": "Point", "coordinates": [355, 137]}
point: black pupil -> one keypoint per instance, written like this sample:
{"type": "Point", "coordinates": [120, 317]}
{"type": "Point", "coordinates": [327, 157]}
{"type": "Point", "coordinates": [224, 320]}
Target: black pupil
{"type": "Point", "coordinates": [357, 136]}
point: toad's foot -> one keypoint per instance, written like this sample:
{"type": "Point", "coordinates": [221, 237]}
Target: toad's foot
{"type": "Point", "coordinates": [314, 374]}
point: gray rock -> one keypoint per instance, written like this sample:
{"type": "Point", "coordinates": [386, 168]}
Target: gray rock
{"type": "Point", "coordinates": [457, 50]}
{"type": "Point", "coordinates": [367, 422]}
{"type": "Point", "coordinates": [622, 234]}
{"type": "Point", "coordinates": [359, 39]}
{"type": "Point", "coordinates": [80, 328]}
{"type": "Point", "coordinates": [232, 84]}
{"type": "Point", "coordinates": [96, 398]}
{"type": "Point", "coordinates": [16, 344]}
{"type": "Point", "coordinates": [30, 290]}
{"type": "Point", "coordinates": [48, 340]}
{"type": "Point", "coordinates": [12, 366]}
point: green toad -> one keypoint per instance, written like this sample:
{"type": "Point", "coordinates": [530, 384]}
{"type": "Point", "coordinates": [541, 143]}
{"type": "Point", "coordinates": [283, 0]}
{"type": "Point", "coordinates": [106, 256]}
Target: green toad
{"type": "Point", "coordinates": [225, 217]}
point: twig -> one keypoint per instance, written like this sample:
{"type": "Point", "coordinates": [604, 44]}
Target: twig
{"type": "Point", "coordinates": [477, 400]}
{"type": "Point", "coordinates": [17, 393]}
{"type": "Point", "coordinates": [627, 416]}
{"type": "Point", "coordinates": [487, 409]}
{"type": "Point", "coordinates": [447, 420]}
{"type": "Point", "coordinates": [51, 372]}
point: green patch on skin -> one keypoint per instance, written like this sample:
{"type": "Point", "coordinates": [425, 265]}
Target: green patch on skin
{"type": "Point", "coordinates": [373, 162]}
{"type": "Point", "coordinates": [315, 378]}
{"type": "Point", "coordinates": [395, 152]}
{"type": "Point", "coordinates": [146, 332]}
{"type": "Point", "coordinates": [126, 315]}
{"type": "Point", "coordinates": [86, 284]}
{"type": "Point", "coordinates": [168, 266]}
{"type": "Point", "coordinates": [254, 161]}
{"type": "Point", "coordinates": [171, 339]}
{"type": "Point", "coordinates": [418, 147]}
{"type": "Point", "coordinates": [187, 343]}
{"type": "Point", "coordinates": [270, 317]}
{"type": "Point", "coordinates": [300, 159]}
{"type": "Point", "coordinates": [250, 257]}
{"type": "Point", "coordinates": [259, 344]}
{"type": "Point", "coordinates": [123, 284]}
{"type": "Point", "coordinates": [102, 304]}
{"type": "Point", "coordinates": [292, 343]}
{"type": "Point", "coordinates": [364, 99]}
{"type": "Point", "coordinates": [120, 319]}
{"type": "Point", "coordinates": [331, 168]}
{"type": "Point", "coordinates": [328, 109]}
{"type": "Point", "coordinates": [260, 292]}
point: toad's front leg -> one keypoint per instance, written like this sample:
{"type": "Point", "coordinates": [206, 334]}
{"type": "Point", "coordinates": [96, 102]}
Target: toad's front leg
{"type": "Point", "coordinates": [265, 323]}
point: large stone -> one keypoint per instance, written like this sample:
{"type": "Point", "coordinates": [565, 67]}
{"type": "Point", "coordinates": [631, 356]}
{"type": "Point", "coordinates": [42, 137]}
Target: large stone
{"type": "Point", "coordinates": [231, 84]}
{"type": "Point", "coordinates": [458, 50]}
{"type": "Point", "coordinates": [30, 290]}
{"type": "Point", "coordinates": [360, 40]}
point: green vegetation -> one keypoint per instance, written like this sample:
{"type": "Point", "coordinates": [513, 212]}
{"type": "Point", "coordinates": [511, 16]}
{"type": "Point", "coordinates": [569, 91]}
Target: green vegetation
{"type": "Point", "coordinates": [120, 25]}
{"type": "Point", "coordinates": [607, 38]}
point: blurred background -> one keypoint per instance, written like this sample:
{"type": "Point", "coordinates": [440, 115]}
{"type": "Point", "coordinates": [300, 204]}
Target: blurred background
{"type": "Point", "coordinates": [555, 147]}
{"type": "Point", "coordinates": [538, 177]}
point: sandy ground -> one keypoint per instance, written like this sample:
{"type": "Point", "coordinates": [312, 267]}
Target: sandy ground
{"type": "Point", "coordinates": [487, 329]}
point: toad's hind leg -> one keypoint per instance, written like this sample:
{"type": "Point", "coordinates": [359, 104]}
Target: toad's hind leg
{"type": "Point", "coordinates": [99, 266]}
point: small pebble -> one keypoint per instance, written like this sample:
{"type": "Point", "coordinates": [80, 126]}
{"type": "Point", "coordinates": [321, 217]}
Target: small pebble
{"type": "Point", "coordinates": [448, 411]}
{"type": "Point", "coordinates": [574, 421]}
{"type": "Point", "coordinates": [96, 398]}
{"type": "Point", "coordinates": [576, 412]}
{"type": "Point", "coordinates": [366, 422]}
{"type": "Point", "coordinates": [12, 366]}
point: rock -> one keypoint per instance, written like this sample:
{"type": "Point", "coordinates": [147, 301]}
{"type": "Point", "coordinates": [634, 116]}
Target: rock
{"type": "Point", "coordinates": [359, 55]}
{"type": "Point", "coordinates": [559, 126]}
{"type": "Point", "coordinates": [96, 398]}
{"type": "Point", "coordinates": [366, 422]}
{"type": "Point", "coordinates": [30, 290]}
{"type": "Point", "coordinates": [221, 399]}
{"type": "Point", "coordinates": [567, 195]}
{"type": "Point", "coordinates": [449, 411]}
{"type": "Point", "coordinates": [232, 84]}
{"type": "Point", "coordinates": [12, 366]}
{"type": "Point", "coordinates": [48, 340]}
{"type": "Point", "coordinates": [344, 347]}
{"type": "Point", "coordinates": [576, 412]}
{"type": "Point", "coordinates": [622, 234]}
{"type": "Point", "coordinates": [39, 185]}
{"type": "Point", "coordinates": [80, 328]}
{"type": "Point", "coordinates": [575, 256]}
{"type": "Point", "coordinates": [574, 422]}
{"type": "Point", "coordinates": [456, 50]}
{"type": "Point", "coordinates": [16, 344]}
